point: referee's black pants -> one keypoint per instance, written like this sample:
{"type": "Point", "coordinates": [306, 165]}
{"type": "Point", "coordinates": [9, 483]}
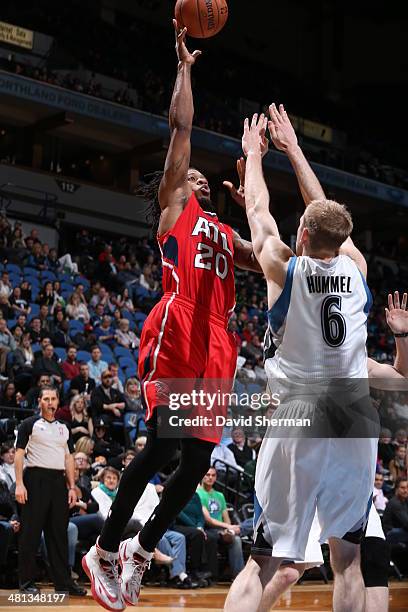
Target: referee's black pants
{"type": "Point", "coordinates": [46, 509]}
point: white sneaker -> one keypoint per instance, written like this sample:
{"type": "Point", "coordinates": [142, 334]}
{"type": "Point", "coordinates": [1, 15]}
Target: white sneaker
{"type": "Point", "coordinates": [102, 569]}
{"type": "Point", "coordinates": [134, 564]}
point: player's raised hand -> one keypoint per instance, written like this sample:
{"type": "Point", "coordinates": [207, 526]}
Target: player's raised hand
{"type": "Point", "coordinates": [238, 195]}
{"type": "Point", "coordinates": [183, 53]}
{"type": "Point", "coordinates": [281, 130]}
{"type": "Point", "coordinates": [254, 139]}
{"type": "Point", "coordinates": [396, 314]}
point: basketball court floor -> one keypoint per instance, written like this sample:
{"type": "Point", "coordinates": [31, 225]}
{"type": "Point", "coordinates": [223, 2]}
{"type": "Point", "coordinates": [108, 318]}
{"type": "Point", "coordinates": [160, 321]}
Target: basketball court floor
{"type": "Point", "coordinates": [303, 598]}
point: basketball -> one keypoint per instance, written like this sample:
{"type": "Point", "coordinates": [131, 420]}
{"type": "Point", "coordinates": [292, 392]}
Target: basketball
{"type": "Point", "coordinates": [202, 18]}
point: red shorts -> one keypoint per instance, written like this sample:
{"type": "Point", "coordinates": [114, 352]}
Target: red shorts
{"type": "Point", "coordinates": [183, 347]}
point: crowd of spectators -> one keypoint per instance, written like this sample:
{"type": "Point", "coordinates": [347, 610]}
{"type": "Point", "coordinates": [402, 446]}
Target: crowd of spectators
{"type": "Point", "coordinates": [73, 319]}
{"type": "Point", "coordinates": [119, 51]}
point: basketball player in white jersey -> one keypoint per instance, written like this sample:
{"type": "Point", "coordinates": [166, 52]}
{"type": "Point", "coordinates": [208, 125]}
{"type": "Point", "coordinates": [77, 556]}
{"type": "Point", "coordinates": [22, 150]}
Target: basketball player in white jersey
{"type": "Point", "coordinates": [375, 550]}
{"type": "Point", "coordinates": [318, 305]}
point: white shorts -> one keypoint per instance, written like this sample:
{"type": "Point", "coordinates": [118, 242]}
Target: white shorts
{"type": "Point", "coordinates": [297, 477]}
{"type": "Point", "coordinates": [313, 552]}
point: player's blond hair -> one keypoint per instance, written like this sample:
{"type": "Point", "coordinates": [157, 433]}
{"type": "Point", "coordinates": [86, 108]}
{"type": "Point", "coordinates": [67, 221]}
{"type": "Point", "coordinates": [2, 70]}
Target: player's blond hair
{"type": "Point", "coordinates": [329, 224]}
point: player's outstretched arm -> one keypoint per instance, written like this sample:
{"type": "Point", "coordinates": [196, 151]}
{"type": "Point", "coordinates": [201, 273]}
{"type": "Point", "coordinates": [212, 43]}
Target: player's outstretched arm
{"type": "Point", "coordinates": [284, 138]}
{"type": "Point", "coordinates": [244, 256]}
{"type": "Point", "coordinates": [397, 319]}
{"type": "Point", "coordinates": [272, 254]}
{"type": "Point", "coordinates": [174, 189]}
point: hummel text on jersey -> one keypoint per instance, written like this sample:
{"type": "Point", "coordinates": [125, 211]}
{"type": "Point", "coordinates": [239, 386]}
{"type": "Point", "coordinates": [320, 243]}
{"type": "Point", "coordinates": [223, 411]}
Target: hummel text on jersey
{"type": "Point", "coordinates": [329, 284]}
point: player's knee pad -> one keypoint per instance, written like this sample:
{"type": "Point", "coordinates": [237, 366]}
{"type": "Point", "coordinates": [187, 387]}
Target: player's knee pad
{"type": "Point", "coordinates": [375, 562]}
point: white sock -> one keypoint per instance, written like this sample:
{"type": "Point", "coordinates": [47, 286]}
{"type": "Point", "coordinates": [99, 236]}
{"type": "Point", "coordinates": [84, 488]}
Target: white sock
{"type": "Point", "coordinates": [139, 550]}
{"type": "Point", "coordinates": [182, 576]}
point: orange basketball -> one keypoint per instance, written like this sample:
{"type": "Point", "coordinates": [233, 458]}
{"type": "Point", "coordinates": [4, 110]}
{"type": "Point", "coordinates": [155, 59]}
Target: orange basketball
{"type": "Point", "coordinates": [202, 18]}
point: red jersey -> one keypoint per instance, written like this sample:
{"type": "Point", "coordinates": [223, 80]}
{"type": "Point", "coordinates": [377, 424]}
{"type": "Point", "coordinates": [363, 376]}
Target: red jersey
{"type": "Point", "coordinates": [197, 257]}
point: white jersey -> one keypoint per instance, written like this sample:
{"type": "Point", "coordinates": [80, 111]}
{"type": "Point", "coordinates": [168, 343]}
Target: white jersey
{"type": "Point", "coordinates": [319, 322]}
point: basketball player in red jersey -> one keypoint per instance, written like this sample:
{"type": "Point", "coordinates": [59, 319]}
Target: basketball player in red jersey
{"type": "Point", "coordinates": [185, 338]}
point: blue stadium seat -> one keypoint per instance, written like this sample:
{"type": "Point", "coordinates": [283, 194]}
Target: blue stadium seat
{"type": "Point", "coordinates": [64, 278]}
{"type": "Point", "coordinates": [141, 292]}
{"type": "Point", "coordinates": [36, 347]}
{"type": "Point", "coordinates": [75, 325]}
{"type": "Point", "coordinates": [34, 292]}
{"type": "Point", "coordinates": [81, 280]}
{"type": "Point", "coordinates": [47, 275]}
{"type": "Point", "coordinates": [1, 267]}
{"type": "Point", "coordinates": [61, 353]}
{"type": "Point", "coordinates": [11, 323]}
{"type": "Point", "coordinates": [121, 351]}
{"type": "Point", "coordinates": [33, 280]}
{"type": "Point", "coordinates": [66, 294]}
{"type": "Point", "coordinates": [13, 269]}
{"type": "Point", "coordinates": [107, 354]}
{"type": "Point", "coordinates": [15, 280]}
{"type": "Point", "coordinates": [127, 362]}
{"type": "Point", "coordinates": [66, 385]}
{"type": "Point", "coordinates": [139, 317]}
{"type": "Point", "coordinates": [67, 287]}
{"type": "Point", "coordinates": [253, 388]}
{"type": "Point", "coordinates": [35, 309]}
{"type": "Point", "coordinates": [83, 356]}
{"type": "Point", "coordinates": [131, 371]}
{"type": "Point", "coordinates": [29, 271]}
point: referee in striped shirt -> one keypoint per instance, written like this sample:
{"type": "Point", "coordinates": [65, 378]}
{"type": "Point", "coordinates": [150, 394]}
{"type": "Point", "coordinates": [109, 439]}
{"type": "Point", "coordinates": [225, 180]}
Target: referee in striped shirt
{"type": "Point", "coordinates": [46, 491]}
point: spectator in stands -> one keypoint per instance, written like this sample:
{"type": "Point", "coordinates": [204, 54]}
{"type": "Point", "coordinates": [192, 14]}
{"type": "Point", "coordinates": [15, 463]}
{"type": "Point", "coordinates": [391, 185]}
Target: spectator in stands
{"type": "Point", "coordinates": [16, 239]}
{"type": "Point", "coordinates": [97, 317]}
{"type": "Point", "coordinates": [102, 297]}
{"type": "Point", "coordinates": [18, 303]}
{"type": "Point", "coordinates": [7, 344]}
{"type": "Point", "coordinates": [26, 291]}
{"type": "Point", "coordinates": [7, 469]}
{"type": "Point", "coordinates": [83, 464]}
{"type": "Point", "coordinates": [48, 297]}
{"type": "Point", "coordinates": [22, 321]}
{"type": "Point", "coordinates": [401, 437]}
{"type": "Point", "coordinates": [77, 309]}
{"type": "Point", "coordinates": [6, 287]}
{"type": "Point", "coordinates": [104, 445]}
{"type": "Point", "coordinates": [60, 334]}
{"type": "Point", "coordinates": [9, 524]}
{"type": "Point", "coordinates": [140, 444]}
{"type": "Point", "coordinates": [202, 550]}
{"type": "Point", "coordinates": [43, 380]}
{"type": "Point", "coordinates": [96, 364]}
{"type": "Point", "coordinates": [105, 332]}
{"type": "Point", "coordinates": [107, 402]}
{"type": "Point", "coordinates": [70, 366]}
{"type": "Point", "coordinates": [126, 337]}
{"type": "Point", "coordinates": [85, 512]}
{"type": "Point", "coordinates": [398, 465]}
{"type": "Point", "coordinates": [116, 382]}
{"type": "Point", "coordinates": [134, 412]}
{"type": "Point", "coordinates": [43, 316]}
{"type": "Point", "coordinates": [395, 520]}
{"type": "Point", "coordinates": [124, 301]}
{"type": "Point", "coordinates": [45, 341]}
{"type": "Point", "coordinates": [81, 424]}
{"type": "Point", "coordinates": [35, 330]}
{"type": "Point", "coordinates": [379, 499]}
{"type": "Point", "coordinates": [63, 263]}
{"type": "Point", "coordinates": [46, 363]}
{"type": "Point", "coordinates": [36, 259]}
{"type": "Point", "coordinates": [85, 445]}
{"type": "Point", "coordinates": [83, 383]}
{"type": "Point", "coordinates": [239, 446]}
{"type": "Point", "coordinates": [6, 311]}
{"type": "Point", "coordinates": [8, 395]}
{"type": "Point", "coordinates": [218, 522]}
{"type": "Point", "coordinates": [23, 357]}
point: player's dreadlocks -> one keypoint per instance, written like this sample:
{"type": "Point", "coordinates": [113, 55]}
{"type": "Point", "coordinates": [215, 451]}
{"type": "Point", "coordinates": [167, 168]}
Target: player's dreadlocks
{"type": "Point", "coordinates": [150, 192]}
